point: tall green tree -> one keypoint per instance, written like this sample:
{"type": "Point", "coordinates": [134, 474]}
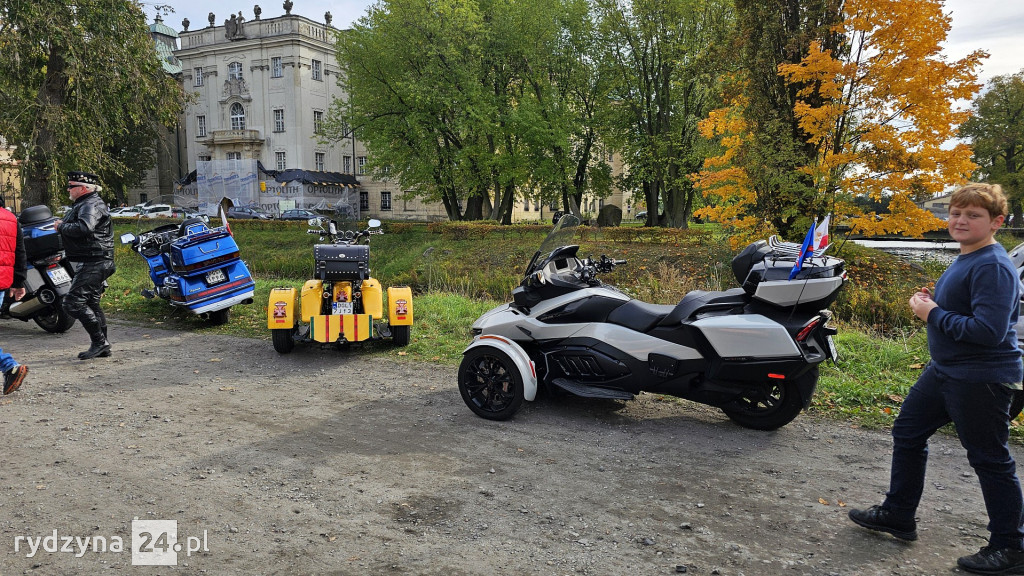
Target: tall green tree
{"type": "Point", "coordinates": [81, 86]}
{"type": "Point", "coordinates": [996, 131]}
{"type": "Point", "coordinates": [660, 57]}
{"type": "Point", "coordinates": [474, 100]}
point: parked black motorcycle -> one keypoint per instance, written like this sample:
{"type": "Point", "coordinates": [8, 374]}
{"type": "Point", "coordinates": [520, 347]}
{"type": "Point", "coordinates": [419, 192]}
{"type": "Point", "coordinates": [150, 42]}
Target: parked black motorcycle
{"type": "Point", "coordinates": [48, 276]}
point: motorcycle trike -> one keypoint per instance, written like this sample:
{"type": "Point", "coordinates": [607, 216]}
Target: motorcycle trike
{"type": "Point", "coordinates": [752, 351]}
{"type": "Point", "coordinates": [343, 303]}
{"type": "Point", "coordinates": [193, 266]}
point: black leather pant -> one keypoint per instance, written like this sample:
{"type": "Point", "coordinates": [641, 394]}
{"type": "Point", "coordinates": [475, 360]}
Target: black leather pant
{"type": "Point", "coordinates": [83, 299]}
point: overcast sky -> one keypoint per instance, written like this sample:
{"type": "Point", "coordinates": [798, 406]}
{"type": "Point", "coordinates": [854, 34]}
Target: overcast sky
{"type": "Point", "coordinates": [996, 26]}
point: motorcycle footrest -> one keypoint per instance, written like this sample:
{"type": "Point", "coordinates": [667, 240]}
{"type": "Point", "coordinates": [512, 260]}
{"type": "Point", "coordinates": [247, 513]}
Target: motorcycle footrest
{"type": "Point", "coordinates": [587, 391]}
{"type": "Point", "coordinates": [148, 294]}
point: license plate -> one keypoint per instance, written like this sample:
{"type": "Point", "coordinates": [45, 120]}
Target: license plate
{"type": "Point", "coordinates": [59, 275]}
{"type": "Point", "coordinates": [832, 348]}
{"type": "Point", "coordinates": [341, 308]}
{"type": "Point", "coordinates": [215, 276]}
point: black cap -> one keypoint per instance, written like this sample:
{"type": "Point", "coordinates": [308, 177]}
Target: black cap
{"type": "Point", "coordinates": [83, 177]}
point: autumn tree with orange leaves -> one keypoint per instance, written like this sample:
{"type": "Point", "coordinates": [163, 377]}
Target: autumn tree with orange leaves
{"type": "Point", "coordinates": [879, 114]}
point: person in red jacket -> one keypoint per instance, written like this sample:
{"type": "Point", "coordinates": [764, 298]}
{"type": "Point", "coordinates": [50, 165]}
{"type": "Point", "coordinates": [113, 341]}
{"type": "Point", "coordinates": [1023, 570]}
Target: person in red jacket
{"type": "Point", "coordinates": [12, 279]}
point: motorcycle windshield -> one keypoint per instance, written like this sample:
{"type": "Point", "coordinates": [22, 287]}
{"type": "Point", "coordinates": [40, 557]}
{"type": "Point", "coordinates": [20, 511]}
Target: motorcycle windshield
{"type": "Point", "coordinates": [561, 235]}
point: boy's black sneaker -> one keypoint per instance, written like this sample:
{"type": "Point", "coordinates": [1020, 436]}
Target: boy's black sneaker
{"type": "Point", "coordinates": [14, 378]}
{"type": "Point", "coordinates": [991, 560]}
{"type": "Point", "coordinates": [883, 520]}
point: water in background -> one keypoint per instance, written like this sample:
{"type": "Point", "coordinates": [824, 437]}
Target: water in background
{"type": "Point", "coordinates": [916, 250]}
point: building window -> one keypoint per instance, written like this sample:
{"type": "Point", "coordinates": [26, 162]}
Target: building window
{"type": "Point", "coordinates": [235, 71]}
{"type": "Point", "coordinates": [276, 68]}
{"type": "Point", "coordinates": [385, 200]}
{"type": "Point", "coordinates": [143, 197]}
{"type": "Point", "coordinates": [317, 70]}
{"type": "Point", "coordinates": [234, 155]}
{"type": "Point", "coordinates": [364, 201]}
{"type": "Point", "coordinates": [197, 75]}
{"type": "Point", "coordinates": [200, 126]}
{"type": "Point", "coordinates": [346, 164]}
{"type": "Point", "coordinates": [526, 206]}
{"type": "Point", "coordinates": [204, 158]}
{"type": "Point", "coordinates": [237, 117]}
{"type": "Point", "coordinates": [361, 165]}
{"type": "Point", "coordinates": [318, 122]}
{"type": "Point", "coordinates": [278, 120]}
{"type": "Point", "coordinates": [318, 161]}
{"type": "Point", "coordinates": [282, 163]}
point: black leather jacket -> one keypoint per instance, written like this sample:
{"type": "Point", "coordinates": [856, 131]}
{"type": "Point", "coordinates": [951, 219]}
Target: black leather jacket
{"type": "Point", "coordinates": [87, 231]}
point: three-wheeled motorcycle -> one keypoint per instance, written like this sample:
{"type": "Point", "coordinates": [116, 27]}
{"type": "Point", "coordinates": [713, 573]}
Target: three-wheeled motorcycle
{"type": "Point", "coordinates": [343, 303]}
{"type": "Point", "coordinates": [192, 265]}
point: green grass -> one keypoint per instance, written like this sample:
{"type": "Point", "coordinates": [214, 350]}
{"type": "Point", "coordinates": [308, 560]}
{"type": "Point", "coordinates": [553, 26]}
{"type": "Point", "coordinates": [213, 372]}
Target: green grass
{"type": "Point", "coordinates": [882, 346]}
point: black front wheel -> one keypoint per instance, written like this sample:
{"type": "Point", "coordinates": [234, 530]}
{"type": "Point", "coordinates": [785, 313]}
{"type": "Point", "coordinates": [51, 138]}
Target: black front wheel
{"type": "Point", "coordinates": [771, 404]}
{"type": "Point", "coordinates": [490, 383]}
{"type": "Point", "coordinates": [55, 320]}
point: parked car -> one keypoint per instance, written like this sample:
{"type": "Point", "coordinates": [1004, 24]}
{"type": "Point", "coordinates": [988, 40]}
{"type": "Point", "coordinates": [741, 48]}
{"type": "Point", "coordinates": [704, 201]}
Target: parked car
{"type": "Point", "coordinates": [641, 215]}
{"type": "Point", "coordinates": [298, 215]}
{"type": "Point", "coordinates": [243, 213]}
{"type": "Point", "coordinates": [160, 211]}
{"type": "Point", "coordinates": [126, 212]}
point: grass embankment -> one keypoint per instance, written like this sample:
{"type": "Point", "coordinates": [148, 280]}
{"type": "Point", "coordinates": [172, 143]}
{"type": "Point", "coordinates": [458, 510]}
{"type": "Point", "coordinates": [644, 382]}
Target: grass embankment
{"type": "Point", "coordinates": [458, 271]}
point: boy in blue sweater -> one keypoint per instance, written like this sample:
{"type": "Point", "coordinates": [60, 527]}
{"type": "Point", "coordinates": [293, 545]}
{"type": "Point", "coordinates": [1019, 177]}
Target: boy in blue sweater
{"type": "Point", "coordinates": [974, 372]}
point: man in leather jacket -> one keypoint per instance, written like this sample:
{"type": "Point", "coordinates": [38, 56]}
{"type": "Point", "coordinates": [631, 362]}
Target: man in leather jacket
{"type": "Point", "coordinates": [88, 235]}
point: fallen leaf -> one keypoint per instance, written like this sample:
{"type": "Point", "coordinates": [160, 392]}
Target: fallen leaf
{"type": "Point", "coordinates": [403, 353]}
{"type": "Point", "coordinates": [227, 388]}
{"type": "Point", "coordinates": [822, 501]}
{"type": "Point", "coordinates": [841, 504]}
{"type": "Point", "coordinates": [214, 359]}
{"type": "Point", "coordinates": [917, 366]}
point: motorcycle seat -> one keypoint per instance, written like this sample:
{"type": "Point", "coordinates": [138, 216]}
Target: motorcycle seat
{"type": "Point", "coordinates": [697, 301]}
{"type": "Point", "coordinates": [638, 315]}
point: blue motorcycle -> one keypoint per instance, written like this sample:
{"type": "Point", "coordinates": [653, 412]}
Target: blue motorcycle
{"type": "Point", "coordinates": [194, 266]}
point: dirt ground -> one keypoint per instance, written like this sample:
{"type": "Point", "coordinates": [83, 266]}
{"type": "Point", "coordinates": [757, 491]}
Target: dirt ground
{"type": "Point", "coordinates": [331, 462]}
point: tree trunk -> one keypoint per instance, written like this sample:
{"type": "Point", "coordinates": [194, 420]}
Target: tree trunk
{"type": "Point", "coordinates": [41, 163]}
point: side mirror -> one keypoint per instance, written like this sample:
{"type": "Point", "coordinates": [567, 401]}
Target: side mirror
{"type": "Point", "coordinates": [373, 223]}
{"type": "Point", "coordinates": [127, 238]}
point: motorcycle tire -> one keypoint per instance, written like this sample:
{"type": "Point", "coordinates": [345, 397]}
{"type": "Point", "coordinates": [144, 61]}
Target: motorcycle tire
{"type": "Point", "coordinates": [284, 340]}
{"type": "Point", "coordinates": [771, 406]}
{"type": "Point", "coordinates": [56, 321]}
{"type": "Point", "coordinates": [218, 317]}
{"type": "Point", "coordinates": [401, 335]}
{"type": "Point", "coordinates": [490, 383]}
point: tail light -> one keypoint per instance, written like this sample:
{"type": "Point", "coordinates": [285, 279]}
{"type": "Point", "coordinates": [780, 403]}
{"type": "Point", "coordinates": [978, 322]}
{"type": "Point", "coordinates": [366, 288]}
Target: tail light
{"type": "Point", "coordinates": [808, 328]}
{"type": "Point", "coordinates": [821, 319]}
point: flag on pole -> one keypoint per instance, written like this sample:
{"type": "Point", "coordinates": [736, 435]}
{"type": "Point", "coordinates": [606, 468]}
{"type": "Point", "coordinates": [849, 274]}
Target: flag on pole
{"type": "Point", "coordinates": [806, 249]}
{"type": "Point", "coordinates": [821, 239]}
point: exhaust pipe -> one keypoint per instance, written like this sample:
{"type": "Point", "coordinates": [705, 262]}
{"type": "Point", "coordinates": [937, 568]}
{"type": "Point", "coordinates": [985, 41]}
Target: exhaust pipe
{"type": "Point", "coordinates": [46, 296]}
{"type": "Point", "coordinates": [27, 308]}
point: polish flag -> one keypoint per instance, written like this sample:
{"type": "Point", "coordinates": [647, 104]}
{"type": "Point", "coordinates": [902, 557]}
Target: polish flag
{"type": "Point", "coordinates": [821, 234]}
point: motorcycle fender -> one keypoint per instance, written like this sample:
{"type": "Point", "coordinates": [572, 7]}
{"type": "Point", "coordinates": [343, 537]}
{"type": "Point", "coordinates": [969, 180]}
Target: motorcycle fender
{"type": "Point", "coordinates": [400, 306]}
{"type": "Point", "coordinates": [519, 356]}
{"type": "Point", "coordinates": [281, 308]}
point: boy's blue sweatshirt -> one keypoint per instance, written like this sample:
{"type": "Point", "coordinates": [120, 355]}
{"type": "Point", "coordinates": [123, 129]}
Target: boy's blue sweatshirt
{"type": "Point", "coordinates": [970, 334]}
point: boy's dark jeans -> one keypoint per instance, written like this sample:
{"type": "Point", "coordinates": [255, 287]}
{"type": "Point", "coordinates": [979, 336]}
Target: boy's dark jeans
{"type": "Point", "coordinates": [980, 413]}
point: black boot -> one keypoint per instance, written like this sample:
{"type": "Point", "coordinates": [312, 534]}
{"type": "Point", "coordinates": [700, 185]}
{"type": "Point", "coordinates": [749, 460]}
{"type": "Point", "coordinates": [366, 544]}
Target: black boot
{"type": "Point", "coordinates": [106, 352]}
{"type": "Point", "coordinates": [99, 347]}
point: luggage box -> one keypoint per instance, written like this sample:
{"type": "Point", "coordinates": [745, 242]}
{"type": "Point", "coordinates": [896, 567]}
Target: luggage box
{"type": "Point", "coordinates": [196, 253]}
{"type": "Point", "coordinates": [41, 239]}
{"type": "Point", "coordinates": [341, 261]}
